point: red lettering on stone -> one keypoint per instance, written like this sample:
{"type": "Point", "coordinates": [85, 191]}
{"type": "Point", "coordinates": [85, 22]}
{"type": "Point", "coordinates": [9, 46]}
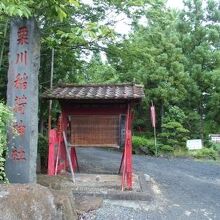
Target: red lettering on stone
{"type": "Point", "coordinates": [22, 57]}
{"type": "Point", "coordinates": [20, 103]}
{"type": "Point", "coordinates": [20, 127]}
{"type": "Point", "coordinates": [22, 35]}
{"type": "Point", "coordinates": [21, 81]}
{"type": "Point", "coordinates": [18, 153]}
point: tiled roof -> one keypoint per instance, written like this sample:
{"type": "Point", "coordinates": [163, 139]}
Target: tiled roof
{"type": "Point", "coordinates": [91, 92]}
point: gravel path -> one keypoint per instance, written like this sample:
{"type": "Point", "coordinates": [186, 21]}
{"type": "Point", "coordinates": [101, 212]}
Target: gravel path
{"type": "Point", "coordinates": [184, 189]}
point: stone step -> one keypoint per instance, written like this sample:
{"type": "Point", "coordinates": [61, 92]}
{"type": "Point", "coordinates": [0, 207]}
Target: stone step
{"type": "Point", "coordinates": [114, 194]}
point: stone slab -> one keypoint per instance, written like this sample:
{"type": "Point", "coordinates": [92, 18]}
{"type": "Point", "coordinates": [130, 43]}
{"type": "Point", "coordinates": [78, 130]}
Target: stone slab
{"type": "Point", "coordinates": [104, 186]}
{"type": "Point", "coordinates": [22, 98]}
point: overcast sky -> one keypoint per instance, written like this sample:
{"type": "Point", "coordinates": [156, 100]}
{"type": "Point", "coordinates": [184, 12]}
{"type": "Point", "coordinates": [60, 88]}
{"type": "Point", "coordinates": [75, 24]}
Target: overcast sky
{"type": "Point", "coordinates": [175, 3]}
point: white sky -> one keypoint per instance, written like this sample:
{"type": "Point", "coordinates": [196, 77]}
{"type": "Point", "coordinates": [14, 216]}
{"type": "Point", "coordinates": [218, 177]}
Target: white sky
{"type": "Point", "coordinates": [175, 3]}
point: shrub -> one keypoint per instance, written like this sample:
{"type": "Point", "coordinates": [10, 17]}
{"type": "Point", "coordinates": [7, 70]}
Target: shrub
{"type": "Point", "coordinates": [174, 135]}
{"type": "Point", "coordinates": [217, 148]}
{"type": "Point", "coordinates": [166, 149]}
{"type": "Point", "coordinates": [5, 117]}
{"type": "Point", "coordinates": [206, 153]}
{"type": "Point", "coordinates": [148, 144]}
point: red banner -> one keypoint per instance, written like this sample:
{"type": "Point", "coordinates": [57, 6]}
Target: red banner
{"type": "Point", "coordinates": [153, 116]}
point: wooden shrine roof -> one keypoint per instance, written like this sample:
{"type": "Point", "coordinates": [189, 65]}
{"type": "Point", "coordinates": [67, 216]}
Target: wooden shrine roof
{"type": "Point", "coordinates": [96, 92]}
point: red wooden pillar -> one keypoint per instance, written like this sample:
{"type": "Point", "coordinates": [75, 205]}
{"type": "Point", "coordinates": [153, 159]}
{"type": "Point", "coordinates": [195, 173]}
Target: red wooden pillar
{"type": "Point", "coordinates": [74, 159]}
{"type": "Point", "coordinates": [51, 153]}
{"type": "Point", "coordinates": [57, 154]}
{"type": "Point", "coordinates": [129, 162]}
{"type": "Point", "coordinates": [127, 154]}
{"type": "Point", "coordinates": [63, 163]}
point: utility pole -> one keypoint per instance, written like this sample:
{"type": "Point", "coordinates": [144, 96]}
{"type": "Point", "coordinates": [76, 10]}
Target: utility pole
{"type": "Point", "coordinates": [51, 86]}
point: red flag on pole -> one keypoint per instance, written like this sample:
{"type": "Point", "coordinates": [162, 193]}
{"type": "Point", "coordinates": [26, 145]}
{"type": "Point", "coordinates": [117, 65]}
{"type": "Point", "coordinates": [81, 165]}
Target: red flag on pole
{"type": "Point", "coordinates": [153, 122]}
{"type": "Point", "coordinates": [153, 116]}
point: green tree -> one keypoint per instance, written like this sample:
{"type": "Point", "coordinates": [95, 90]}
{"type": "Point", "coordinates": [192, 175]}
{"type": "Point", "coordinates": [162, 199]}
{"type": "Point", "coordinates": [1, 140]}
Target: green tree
{"type": "Point", "coordinates": [174, 135]}
{"type": "Point", "coordinates": [75, 30]}
{"type": "Point", "coordinates": [96, 71]}
{"type": "Point", "coordinates": [5, 118]}
{"type": "Point", "coordinates": [175, 54]}
{"type": "Point", "coordinates": [153, 56]}
{"type": "Point", "coordinates": [199, 33]}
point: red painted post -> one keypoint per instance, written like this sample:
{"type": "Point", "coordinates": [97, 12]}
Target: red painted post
{"type": "Point", "coordinates": [74, 159]}
{"type": "Point", "coordinates": [59, 132]}
{"type": "Point", "coordinates": [129, 151]}
{"type": "Point", "coordinates": [127, 155]}
{"type": "Point", "coordinates": [63, 157]}
{"type": "Point", "coordinates": [124, 167]}
{"type": "Point", "coordinates": [51, 153]}
{"type": "Point", "coordinates": [129, 162]}
{"type": "Point", "coordinates": [60, 160]}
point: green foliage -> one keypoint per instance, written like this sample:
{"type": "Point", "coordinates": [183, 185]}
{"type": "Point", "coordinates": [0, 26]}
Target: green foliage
{"type": "Point", "coordinates": [42, 151]}
{"type": "Point", "coordinates": [175, 55]}
{"type": "Point", "coordinates": [198, 27]}
{"type": "Point", "coordinates": [174, 135]}
{"type": "Point", "coordinates": [15, 8]}
{"type": "Point", "coordinates": [26, 8]}
{"type": "Point", "coordinates": [181, 153]}
{"type": "Point", "coordinates": [5, 117]}
{"type": "Point", "coordinates": [153, 57]}
{"type": "Point", "coordinates": [175, 114]}
{"type": "Point", "coordinates": [148, 146]}
{"type": "Point", "coordinates": [216, 147]}
{"type": "Point", "coordinates": [42, 145]}
{"type": "Point", "coordinates": [205, 153]}
{"type": "Point", "coordinates": [97, 72]}
{"type": "Point", "coordinates": [146, 143]}
{"type": "Point", "coordinates": [166, 149]}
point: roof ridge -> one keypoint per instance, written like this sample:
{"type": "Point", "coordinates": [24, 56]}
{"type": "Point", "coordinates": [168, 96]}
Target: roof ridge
{"type": "Point", "coordinates": [95, 85]}
{"type": "Point", "coordinates": [96, 91]}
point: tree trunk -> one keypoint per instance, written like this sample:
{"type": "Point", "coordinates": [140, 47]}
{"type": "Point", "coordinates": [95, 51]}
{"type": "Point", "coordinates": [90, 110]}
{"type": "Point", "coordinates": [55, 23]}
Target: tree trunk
{"type": "Point", "coordinates": [162, 116]}
{"type": "Point", "coordinates": [201, 121]}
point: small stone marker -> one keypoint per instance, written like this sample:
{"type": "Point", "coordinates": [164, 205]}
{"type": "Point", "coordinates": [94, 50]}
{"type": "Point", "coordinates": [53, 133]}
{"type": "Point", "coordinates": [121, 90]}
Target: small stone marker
{"type": "Point", "coordinates": [22, 98]}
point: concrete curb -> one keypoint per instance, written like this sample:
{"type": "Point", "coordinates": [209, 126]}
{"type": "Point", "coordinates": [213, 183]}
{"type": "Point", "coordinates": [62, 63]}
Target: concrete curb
{"type": "Point", "coordinates": [115, 195]}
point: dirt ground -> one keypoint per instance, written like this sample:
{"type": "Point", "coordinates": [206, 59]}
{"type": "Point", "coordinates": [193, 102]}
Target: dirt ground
{"type": "Point", "coordinates": [183, 188]}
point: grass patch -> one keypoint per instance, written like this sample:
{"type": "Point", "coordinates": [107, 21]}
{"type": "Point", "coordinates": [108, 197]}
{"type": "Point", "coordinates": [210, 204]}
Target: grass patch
{"type": "Point", "coordinates": [181, 153]}
{"type": "Point", "coordinates": [143, 145]}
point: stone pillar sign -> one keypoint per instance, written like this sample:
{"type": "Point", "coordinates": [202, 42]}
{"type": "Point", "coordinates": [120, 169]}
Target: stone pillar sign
{"type": "Point", "coordinates": [22, 98]}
